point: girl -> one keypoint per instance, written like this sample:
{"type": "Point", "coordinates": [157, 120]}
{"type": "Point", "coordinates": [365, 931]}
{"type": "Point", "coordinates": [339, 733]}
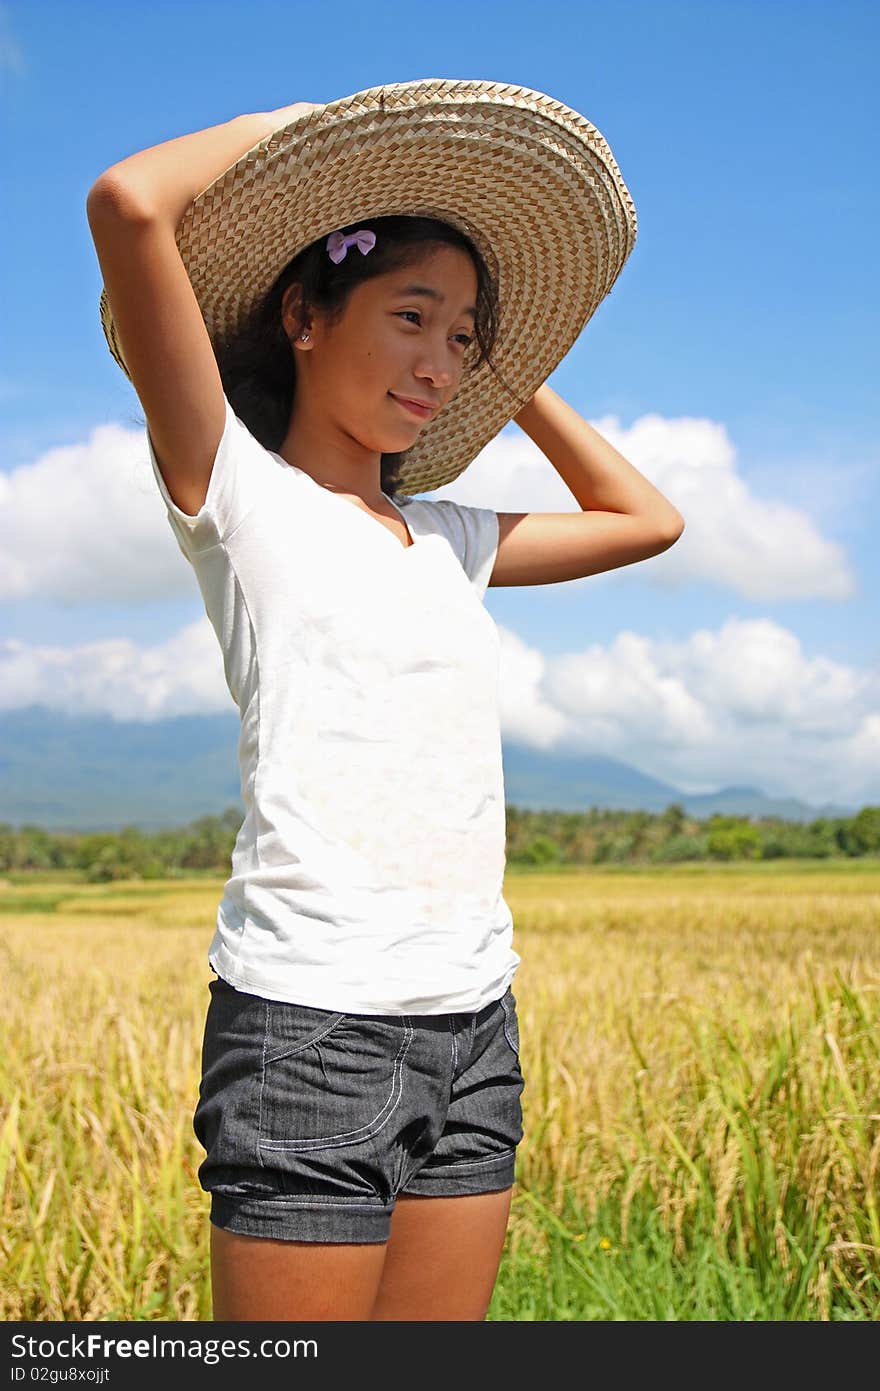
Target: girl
{"type": "Point", "coordinates": [359, 1104]}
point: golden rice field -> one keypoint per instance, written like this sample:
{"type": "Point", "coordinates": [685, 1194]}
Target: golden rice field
{"type": "Point", "coordinates": [701, 1048]}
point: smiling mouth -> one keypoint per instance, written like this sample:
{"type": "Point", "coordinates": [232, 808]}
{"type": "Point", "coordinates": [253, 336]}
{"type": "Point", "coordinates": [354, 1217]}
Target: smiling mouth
{"type": "Point", "coordinates": [423, 412]}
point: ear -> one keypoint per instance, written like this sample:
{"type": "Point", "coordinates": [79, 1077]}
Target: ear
{"type": "Point", "coordinates": [291, 312]}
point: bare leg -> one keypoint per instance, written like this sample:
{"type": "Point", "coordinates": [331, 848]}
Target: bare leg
{"type": "Point", "coordinates": [257, 1278]}
{"type": "Point", "coordinates": [443, 1256]}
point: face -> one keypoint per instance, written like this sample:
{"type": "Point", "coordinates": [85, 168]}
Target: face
{"type": "Point", "coordinates": [393, 341]}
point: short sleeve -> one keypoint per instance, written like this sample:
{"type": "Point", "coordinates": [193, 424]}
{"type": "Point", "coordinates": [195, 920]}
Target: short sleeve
{"type": "Point", "coordinates": [473, 534]}
{"type": "Point", "coordinates": [232, 488]}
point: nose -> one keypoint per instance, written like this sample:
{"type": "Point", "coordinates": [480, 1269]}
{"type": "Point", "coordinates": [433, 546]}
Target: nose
{"type": "Point", "coordinates": [436, 366]}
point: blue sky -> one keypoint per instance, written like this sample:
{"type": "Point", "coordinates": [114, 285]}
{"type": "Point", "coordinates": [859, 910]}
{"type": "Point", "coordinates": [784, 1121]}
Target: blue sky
{"type": "Point", "coordinates": [735, 363]}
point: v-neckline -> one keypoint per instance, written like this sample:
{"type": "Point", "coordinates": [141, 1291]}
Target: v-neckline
{"type": "Point", "coordinates": [368, 515]}
{"type": "Point", "coordinates": [370, 518]}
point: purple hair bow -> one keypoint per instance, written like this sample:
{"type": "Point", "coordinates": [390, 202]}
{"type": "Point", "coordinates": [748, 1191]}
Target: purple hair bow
{"type": "Point", "coordinates": [337, 244]}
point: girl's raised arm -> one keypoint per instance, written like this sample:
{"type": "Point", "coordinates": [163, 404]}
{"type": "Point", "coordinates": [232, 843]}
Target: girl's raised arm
{"type": "Point", "coordinates": [133, 210]}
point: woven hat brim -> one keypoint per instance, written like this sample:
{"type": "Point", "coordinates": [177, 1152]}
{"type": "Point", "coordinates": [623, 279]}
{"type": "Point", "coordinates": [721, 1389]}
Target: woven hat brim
{"type": "Point", "coordinates": [529, 180]}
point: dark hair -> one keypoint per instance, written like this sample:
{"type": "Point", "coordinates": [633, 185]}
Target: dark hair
{"type": "Point", "coordinates": [257, 366]}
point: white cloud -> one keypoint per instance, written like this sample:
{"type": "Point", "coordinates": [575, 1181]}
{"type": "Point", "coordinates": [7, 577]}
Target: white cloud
{"type": "Point", "coordinates": [739, 705]}
{"type": "Point", "coordinates": [605, 691]}
{"type": "Point", "coordinates": [761, 548]}
{"type": "Point", "coordinates": [742, 704]}
{"type": "Point", "coordinates": [182, 676]}
{"type": "Point", "coordinates": [86, 524]}
{"type": "Point", "coordinates": [526, 715]}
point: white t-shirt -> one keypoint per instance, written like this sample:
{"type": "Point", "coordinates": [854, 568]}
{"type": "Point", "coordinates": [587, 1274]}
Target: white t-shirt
{"type": "Point", "coordinates": [367, 872]}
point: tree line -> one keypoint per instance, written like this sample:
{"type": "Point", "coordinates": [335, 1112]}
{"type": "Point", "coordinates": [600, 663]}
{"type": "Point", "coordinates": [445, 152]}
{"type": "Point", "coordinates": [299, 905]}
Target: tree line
{"type": "Point", "coordinates": [534, 838]}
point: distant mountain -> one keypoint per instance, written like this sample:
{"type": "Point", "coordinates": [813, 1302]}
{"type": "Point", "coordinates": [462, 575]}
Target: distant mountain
{"type": "Point", "coordinates": [555, 781]}
{"type": "Point", "coordinates": [88, 772]}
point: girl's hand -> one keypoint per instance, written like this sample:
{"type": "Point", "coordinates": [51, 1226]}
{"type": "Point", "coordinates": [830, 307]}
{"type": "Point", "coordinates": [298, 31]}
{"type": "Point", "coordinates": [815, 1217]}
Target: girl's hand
{"type": "Point", "coordinates": [285, 114]}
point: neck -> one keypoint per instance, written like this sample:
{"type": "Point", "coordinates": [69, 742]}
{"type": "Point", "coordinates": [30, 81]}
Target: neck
{"type": "Point", "coordinates": [335, 460]}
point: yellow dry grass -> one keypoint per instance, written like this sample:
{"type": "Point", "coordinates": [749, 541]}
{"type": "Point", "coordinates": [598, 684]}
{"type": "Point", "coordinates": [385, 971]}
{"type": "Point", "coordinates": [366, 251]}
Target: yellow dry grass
{"type": "Point", "coordinates": [711, 1034]}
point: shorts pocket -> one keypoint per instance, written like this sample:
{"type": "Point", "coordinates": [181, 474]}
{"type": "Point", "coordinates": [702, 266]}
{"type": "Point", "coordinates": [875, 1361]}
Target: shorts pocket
{"type": "Point", "coordinates": [329, 1079]}
{"type": "Point", "coordinates": [290, 1028]}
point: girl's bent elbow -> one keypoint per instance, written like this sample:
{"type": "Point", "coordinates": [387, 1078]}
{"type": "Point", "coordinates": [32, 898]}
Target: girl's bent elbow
{"type": "Point", "coordinates": [669, 534]}
{"type": "Point", "coordinates": [109, 197]}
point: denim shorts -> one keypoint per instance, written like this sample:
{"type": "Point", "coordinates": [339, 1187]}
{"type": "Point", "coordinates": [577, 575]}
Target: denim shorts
{"type": "Point", "coordinates": [314, 1121]}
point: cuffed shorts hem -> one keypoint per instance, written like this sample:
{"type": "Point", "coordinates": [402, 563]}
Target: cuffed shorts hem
{"type": "Point", "coordinates": [461, 1180]}
{"type": "Point", "coordinates": [303, 1219]}
{"type": "Point", "coordinates": [348, 1220]}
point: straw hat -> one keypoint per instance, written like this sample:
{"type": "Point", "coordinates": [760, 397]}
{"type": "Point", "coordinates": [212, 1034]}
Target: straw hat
{"type": "Point", "coordinates": [529, 180]}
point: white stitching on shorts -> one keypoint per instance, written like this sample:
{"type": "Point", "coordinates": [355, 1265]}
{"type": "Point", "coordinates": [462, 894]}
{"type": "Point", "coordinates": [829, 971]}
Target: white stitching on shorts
{"type": "Point", "coordinates": [454, 1044]}
{"type": "Point", "coordinates": [428, 1169]}
{"type": "Point", "coordinates": [293, 1200]}
{"type": "Point", "coordinates": [364, 1132]}
{"type": "Point", "coordinates": [293, 1050]}
{"type": "Point", "coordinates": [506, 1007]}
{"type": "Point", "coordinates": [263, 1082]}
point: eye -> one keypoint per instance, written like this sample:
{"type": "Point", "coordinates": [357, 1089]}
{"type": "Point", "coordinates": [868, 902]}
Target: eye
{"type": "Point", "coordinates": [403, 312]}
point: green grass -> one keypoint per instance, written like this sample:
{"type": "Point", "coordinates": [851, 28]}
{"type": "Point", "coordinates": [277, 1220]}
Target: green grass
{"type": "Point", "coordinates": [589, 1272]}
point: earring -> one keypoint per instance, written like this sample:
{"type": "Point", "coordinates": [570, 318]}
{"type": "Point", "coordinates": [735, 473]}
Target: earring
{"type": "Point", "coordinates": [304, 337]}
